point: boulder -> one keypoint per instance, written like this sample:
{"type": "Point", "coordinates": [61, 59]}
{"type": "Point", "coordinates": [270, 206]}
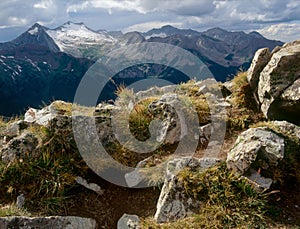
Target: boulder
{"type": "Point", "coordinates": [156, 91]}
{"type": "Point", "coordinates": [43, 116]}
{"type": "Point", "coordinates": [57, 222]}
{"type": "Point", "coordinates": [260, 60]}
{"type": "Point", "coordinates": [171, 130]}
{"type": "Point", "coordinates": [173, 203]}
{"type": "Point", "coordinates": [129, 222]}
{"type": "Point", "coordinates": [103, 120]}
{"type": "Point", "coordinates": [287, 128]}
{"type": "Point", "coordinates": [14, 129]}
{"type": "Point", "coordinates": [275, 81]}
{"type": "Point", "coordinates": [19, 146]}
{"type": "Point", "coordinates": [256, 150]}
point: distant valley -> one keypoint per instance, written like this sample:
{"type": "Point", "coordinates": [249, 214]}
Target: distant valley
{"type": "Point", "coordinates": [45, 64]}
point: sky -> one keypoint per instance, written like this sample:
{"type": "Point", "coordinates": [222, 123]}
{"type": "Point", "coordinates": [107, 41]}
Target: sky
{"type": "Point", "coordinates": [275, 19]}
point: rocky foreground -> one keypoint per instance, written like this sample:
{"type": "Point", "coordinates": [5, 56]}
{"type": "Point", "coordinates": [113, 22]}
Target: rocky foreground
{"type": "Point", "coordinates": [243, 172]}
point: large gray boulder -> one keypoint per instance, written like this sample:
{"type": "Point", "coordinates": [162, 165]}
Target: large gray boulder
{"type": "Point", "coordinates": [255, 150]}
{"type": "Point", "coordinates": [275, 81]}
{"type": "Point", "coordinates": [57, 222]}
{"type": "Point", "coordinates": [260, 60]}
{"type": "Point", "coordinates": [172, 130]}
{"type": "Point", "coordinates": [173, 203]}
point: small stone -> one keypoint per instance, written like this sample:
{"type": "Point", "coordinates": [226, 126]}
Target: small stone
{"type": "Point", "coordinates": [91, 186]}
{"type": "Point", "coordinates": [20, 201]}
{"type": "Point", "coordinates": [129, 222]}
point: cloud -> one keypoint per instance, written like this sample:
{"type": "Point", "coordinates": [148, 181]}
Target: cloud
{"type": "Point", "coordinates": [109, 5]}
{"type": "Point", "coordinates": [144, 27]}
{"type": "Point", "coordinates": [141, 14]}
{"type": "Point", "coordinates": [282, 31]}
{"type": "Point", "coordinates": [45, 4]}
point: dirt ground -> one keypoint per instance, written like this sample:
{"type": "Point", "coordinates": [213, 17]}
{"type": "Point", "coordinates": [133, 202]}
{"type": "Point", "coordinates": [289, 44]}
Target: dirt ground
{"type": "Point", "coordinates": [109, 207]}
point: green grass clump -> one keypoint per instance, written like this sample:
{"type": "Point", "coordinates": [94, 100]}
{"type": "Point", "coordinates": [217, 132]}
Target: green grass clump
{"type": "Point", "coordinates": [193, 98]}
{"type": "Point", "coordinates": [227, 201]}
{"type": "Point", "coordinates": [244, 111]}
{"type": "Point", "coordinates": [12, 210]}
{"type": "Point", "coordinates": [46, 176]}
{"type": "Point", "coordinates": [140, 119]}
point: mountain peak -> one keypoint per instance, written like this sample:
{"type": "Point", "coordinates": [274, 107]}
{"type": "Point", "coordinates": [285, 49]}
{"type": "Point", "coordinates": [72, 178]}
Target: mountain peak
{"type": "Point", "coordinates": [216, 30]}
{"type": "Point", "coordinates": [36, 25]}
{"type": "Point", "coordinates": [256, 34]}
{"type": "Point", "coordinates": [35, 29]}
{"type": "Point", "coordinates": [168, 27]}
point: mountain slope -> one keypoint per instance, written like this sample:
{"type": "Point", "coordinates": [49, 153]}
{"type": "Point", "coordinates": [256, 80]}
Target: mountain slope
{"type": "Point", "coordinates": [31, 75]}
{"type": "Point", "coordinates": [36, 35]}
{"type": "Point", "coordinates": [222, 51]}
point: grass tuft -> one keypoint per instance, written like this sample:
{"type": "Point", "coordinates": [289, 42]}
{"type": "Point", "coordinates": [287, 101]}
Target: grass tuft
{"type": "Point", "coordinates": [227, 201]}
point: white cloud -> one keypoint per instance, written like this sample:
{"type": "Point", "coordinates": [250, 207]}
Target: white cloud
{"type": "Point", "coordinates": [109, 5]}
{"type": "Point", "coordinates": [144, 27]}
{"type": "Point", "coordinates": [283, 31]}
{"type": "Point", "coordinates": [17, 21]}
{"type": "Point", "coordinates": [144, 14]}
{"type": "Point", "coordinates": [45, 4]}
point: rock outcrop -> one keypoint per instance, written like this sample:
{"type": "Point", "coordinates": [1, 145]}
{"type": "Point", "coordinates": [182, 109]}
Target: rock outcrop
{"type": "Point", "coordinates": [255, 150]}
{"type": "Point", "coordinates": [260, 60]}
{"type": "Point", "coordinates": [43, 116]}
{"type": "Point", "coordinates": [275, 80]}
{"type": "Point", "coordinates": [173, 204]}
{"type": "Point", "coordinates": [18, 147]}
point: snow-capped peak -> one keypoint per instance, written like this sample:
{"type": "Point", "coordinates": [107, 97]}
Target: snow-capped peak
{"type": "Point", "coordinates": [71, 35]}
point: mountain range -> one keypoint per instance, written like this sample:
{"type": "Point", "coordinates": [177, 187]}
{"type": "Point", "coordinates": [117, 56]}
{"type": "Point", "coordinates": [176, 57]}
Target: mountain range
{"type": "Point", "coordinates": [44, 64]}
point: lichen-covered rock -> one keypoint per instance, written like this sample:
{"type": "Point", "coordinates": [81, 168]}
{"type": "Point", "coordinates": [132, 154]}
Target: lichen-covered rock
{"type": "Point", "coordinates": [173, 203]}
{"type": "Point", "coordinates": [43, 116]}
{"type": "Point", "coordinates": [287, 128]}
{"type": "Point", "coordinates": [129, 222]}
{"type": "Point", "coordinates": [57, 222]}
{"type": "Point", "coordinates": [260, 60]}
{"type": "Point", "coordinates": [14, 129]}
{"type": "Point", "coordinates": [156, 91]}
{"type": "Point", "coordinates": [19, 146]}
{"type": "Point", "coordinates": [171, 130]}
{"type": "Point", "coordinates": [278, 86]}
{"type": "Point", "coordinates": [256, 149]}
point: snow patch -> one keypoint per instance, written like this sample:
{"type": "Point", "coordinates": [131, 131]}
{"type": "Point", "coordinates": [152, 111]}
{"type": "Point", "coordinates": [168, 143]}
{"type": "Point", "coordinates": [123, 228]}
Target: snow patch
{"type": "Point", "coordinates": [162, 35]}
{"type": "Point", "coordinates": [19, 68]}
{"type": "Point", "coordinates": [72, 35]}
{"type": "Point", "coordinates": [34, 31]}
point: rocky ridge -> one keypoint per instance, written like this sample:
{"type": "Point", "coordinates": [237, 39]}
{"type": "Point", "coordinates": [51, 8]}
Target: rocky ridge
{"type": "Point", "coordinates": [263, 157]}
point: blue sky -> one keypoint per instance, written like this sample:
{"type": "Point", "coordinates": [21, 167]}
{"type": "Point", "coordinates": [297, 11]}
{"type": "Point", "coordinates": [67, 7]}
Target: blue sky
{"type": "Point", "coordinates": [275, 19]}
